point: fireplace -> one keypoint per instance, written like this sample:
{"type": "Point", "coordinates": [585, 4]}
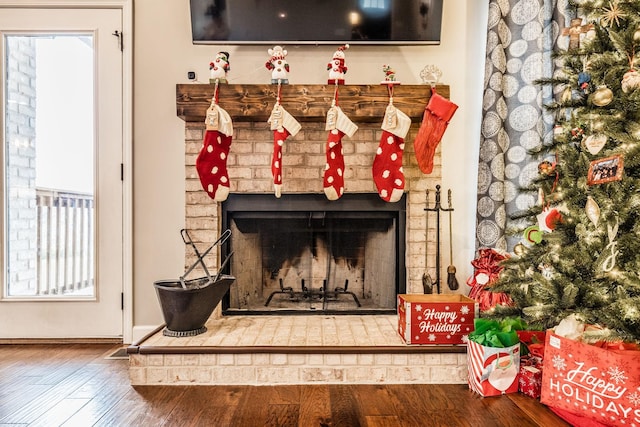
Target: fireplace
{"type": "Point", "coordinates": [303, 254]}
{"type": "Point", "coordinates": [400, 227]}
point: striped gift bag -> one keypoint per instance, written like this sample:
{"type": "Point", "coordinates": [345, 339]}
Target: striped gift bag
{"type": "Point", "coordinates": [493, 371]}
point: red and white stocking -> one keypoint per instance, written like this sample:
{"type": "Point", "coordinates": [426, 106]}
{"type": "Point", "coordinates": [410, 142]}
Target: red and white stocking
{"type": "Point", "coordinates": [283, 125]}
{"type": "Point", "coordinates": [435, 120]}
{"type": "Point", "coordinates": [387, 165]}
{"type": "Point", "coordinates": [338, 125]}
{"type": "Point", "coordinates": [211, 162]}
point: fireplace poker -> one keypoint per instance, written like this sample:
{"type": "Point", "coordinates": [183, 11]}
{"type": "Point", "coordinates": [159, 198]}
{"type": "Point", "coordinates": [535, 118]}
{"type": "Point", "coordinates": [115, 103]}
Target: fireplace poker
{"type": "Point", "coordinates": [427, 281]}
{"type": "Point", "coordinates": [451, 270]}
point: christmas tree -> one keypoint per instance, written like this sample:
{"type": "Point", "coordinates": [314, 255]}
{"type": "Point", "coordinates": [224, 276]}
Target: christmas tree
{"type": "Point", "coordinates": [580, 253]}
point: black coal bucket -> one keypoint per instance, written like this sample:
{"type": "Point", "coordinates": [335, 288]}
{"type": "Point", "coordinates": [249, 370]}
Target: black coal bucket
{"type": "Point", "coordinates": [187, 309]}
{"type": "Point", "coordinates": [187, 304]}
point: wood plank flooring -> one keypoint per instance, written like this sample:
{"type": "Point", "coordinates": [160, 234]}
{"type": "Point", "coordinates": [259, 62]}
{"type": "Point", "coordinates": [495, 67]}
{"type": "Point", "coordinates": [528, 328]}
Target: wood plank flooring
{"type": "Point", "coordinates": [74, 385]}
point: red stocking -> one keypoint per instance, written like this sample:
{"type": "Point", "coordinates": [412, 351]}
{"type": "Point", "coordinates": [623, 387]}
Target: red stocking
{"type": "Point", "coordinates": [387, 165]}
{"type": "Point", "coordinates": [283, 125]}
{"type": "Point", "coordinates": [435, 120]}
{"type": "Point", "coordinates": [333, 180]}
{"type": "Point", "coordinates": [338, 125]}
{"type": "Point", "coordinates": [276, 161]}
{"type": "Point", "coordinates": [211, 162]}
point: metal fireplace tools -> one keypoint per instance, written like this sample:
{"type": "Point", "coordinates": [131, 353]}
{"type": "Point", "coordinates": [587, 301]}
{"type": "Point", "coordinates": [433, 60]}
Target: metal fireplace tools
{"type": "Point", "coordinates": [427, 281]}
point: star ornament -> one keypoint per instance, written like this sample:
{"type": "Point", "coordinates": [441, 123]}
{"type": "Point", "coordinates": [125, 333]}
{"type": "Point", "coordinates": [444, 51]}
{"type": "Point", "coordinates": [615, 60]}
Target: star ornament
{"type": "Point", "coordinates": [611, 14]}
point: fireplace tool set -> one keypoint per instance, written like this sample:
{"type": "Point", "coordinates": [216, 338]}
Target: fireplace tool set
{"type": "Point", "coordinates": [187, 304]}
{"type": "Point", "coordinates": [427, 281]}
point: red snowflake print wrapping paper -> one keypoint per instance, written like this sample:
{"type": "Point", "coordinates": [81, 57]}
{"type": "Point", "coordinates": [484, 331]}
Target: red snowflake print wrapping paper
{"type": "Point", "coordinates": [530, 381]}
{"type": "Point", "coordinates": [597, 383]}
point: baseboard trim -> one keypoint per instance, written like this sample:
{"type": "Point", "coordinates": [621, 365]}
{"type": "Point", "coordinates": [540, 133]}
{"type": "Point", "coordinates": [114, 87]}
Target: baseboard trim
{"type": "Point", "coordinates": [141, 333]}
{"type": "Point", "coordinates": [18, 341]}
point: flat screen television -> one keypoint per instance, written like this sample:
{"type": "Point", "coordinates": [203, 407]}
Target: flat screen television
{"type": "Point", "coordinates": [393, 22]}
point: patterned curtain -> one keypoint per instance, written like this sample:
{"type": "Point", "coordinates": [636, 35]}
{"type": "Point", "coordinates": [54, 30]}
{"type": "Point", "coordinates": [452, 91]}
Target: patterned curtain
{"type": "Point", "coordinates": [521, 37]}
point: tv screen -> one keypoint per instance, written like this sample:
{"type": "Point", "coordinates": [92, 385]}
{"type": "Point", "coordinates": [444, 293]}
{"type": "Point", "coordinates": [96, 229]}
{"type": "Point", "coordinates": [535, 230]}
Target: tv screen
{"type": "Point", "coordinates": [316, 21]}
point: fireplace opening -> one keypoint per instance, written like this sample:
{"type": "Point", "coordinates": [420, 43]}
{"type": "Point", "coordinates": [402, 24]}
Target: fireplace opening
{"type": "Point", "coordinates": [302, 253]}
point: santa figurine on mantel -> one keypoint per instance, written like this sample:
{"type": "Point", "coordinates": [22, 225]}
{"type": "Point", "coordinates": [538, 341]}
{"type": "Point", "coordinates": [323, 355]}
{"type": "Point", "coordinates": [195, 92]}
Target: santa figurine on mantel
{"type": "Point", "coordinates": [336, 67]}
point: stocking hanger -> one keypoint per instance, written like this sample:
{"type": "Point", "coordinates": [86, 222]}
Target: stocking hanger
{"type": "Point", "coordinates": [334, 102]}
{"type": "Point", "coordinates": [390, 90]}
{"type": "Point", "coordinates": [279, 91]}
{"type": "Point", "coordinates": [431, 75]}
{"type": "Point", "coordinates": [215, 92]}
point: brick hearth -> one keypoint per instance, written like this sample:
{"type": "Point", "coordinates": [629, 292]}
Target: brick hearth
{"type": "Point", "coordinates": [315, 349]}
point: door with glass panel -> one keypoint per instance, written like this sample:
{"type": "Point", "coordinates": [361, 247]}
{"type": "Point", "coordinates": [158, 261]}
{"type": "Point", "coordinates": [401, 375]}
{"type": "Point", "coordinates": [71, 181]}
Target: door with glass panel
{"type": "Point", "coordinates": [62, 148]}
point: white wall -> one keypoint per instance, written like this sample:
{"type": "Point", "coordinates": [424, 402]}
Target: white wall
{"type": "Point", "coordinates": [163, 53]}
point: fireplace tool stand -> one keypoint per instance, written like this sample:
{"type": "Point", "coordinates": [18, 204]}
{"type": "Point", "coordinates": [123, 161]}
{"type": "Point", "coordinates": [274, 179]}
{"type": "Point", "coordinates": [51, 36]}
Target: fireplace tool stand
{"type": "Point", "coordinates": [437, 208]}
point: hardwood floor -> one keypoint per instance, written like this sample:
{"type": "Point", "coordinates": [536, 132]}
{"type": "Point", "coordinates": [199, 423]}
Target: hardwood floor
{"type": "Point", "coordinates": [74, 385]}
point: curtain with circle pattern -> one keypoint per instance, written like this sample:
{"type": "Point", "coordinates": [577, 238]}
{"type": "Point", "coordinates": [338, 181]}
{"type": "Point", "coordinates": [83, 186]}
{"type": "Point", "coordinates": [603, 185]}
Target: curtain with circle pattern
{"type": "Point", "coordinates": [521, 37]}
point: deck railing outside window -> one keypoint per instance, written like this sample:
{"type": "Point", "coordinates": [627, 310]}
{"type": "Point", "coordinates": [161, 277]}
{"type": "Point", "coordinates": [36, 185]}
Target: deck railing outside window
{"type": "Point", "coordinates": [65, 231]}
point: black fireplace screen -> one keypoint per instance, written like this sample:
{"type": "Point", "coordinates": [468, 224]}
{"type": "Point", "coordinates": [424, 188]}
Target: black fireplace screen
{"type": "Point", "coordinates": [302, 253]}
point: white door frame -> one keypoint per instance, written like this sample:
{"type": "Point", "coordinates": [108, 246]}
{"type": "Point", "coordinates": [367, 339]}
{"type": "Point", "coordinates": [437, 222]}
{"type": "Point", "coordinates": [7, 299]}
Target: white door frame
{"type": "Point", "coordinates": [126, 7]}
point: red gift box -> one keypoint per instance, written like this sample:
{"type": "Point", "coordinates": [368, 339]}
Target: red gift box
{"type": "Point", "coordinates": [601, 384]}
{"type": "Point", "coordinates": [435, 319]}
{"type": "Point", "coordinates": [530, 381]}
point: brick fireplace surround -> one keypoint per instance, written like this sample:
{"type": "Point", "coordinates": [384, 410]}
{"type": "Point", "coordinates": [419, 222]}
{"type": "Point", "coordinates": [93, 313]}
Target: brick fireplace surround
{"type": "Point", "coordinates": [263, 350]}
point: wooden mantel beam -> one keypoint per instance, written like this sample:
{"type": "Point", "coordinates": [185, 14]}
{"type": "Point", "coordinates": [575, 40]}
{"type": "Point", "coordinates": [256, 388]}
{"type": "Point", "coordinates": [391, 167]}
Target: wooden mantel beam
{"type": "Point", "coordinates": [246, 102]}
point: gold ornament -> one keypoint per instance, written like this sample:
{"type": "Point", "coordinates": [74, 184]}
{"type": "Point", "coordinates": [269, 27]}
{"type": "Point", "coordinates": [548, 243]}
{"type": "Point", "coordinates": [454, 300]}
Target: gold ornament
{"type": "Point", "coordinates": [593, 211]}
{"type": "Point", "coordinates": [594, 143]}
{"type": "Point", "coordinates": [634, 129]}
{"type": "Point", "coordinates": [597, 126]}
{"type": "Point", "coordinates": [636, 35]}
{"type": "Point", "coordinates": [614, 13]}
{"type": "Point", "coordinates": [602, 96]}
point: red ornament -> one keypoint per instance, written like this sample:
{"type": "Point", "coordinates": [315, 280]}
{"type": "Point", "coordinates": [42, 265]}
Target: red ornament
{"type": "Point", "coordinates": [554, 217]}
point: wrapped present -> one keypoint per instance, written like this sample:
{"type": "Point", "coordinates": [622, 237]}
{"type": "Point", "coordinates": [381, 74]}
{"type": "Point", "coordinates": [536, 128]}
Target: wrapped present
{"type": "Point", "coordinates": [532, 342]}
{"type": "Point", "coordinates": [530, 381]}
{"type": "Point", "coordinates": [487, 270]}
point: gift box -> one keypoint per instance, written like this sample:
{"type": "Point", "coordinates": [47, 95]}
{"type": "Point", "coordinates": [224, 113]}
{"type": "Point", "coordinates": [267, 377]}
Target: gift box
{"type": "Point", "coordinates": [493, 371]}
{"type": "Point", "coordinates": [435, 319]}
{"type": "Point", "coordinates": [601, 384]}
{"type": "Point", "coordinates": [530, 381]}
